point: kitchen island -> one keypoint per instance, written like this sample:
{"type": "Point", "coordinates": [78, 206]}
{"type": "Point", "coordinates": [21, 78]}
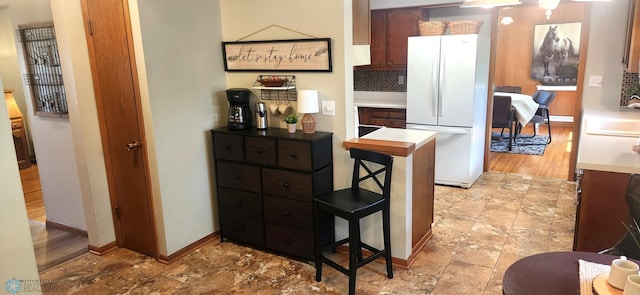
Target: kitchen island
{"type": "Point", "coordinates": [412, 191]}
{"type": "Point", "coordinates": [604, 166]}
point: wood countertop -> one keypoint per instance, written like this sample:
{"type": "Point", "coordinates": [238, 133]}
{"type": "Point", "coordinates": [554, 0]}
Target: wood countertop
{"type": "Point", "coordinates": [392, 141]}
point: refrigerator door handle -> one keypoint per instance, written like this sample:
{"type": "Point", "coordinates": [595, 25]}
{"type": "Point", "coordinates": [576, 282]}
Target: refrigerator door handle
{"type": "Point", "coordinates": [441, 80]}
{"type": "Point", "coordinates": [435, 90]}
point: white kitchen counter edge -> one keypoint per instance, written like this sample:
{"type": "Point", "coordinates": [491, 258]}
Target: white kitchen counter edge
{"type": "Point", "coordinates": [603, 152]}
{"type": "Point", "coordinates": [379, 99]}
{"type": "Point", "coordinates": [417, 137]}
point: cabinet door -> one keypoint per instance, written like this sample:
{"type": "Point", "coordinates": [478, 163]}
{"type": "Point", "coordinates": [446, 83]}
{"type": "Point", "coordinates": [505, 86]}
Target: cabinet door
{"type": "Point", "coordinates": [401, 23]}
{"type": "Point", "coordinates": [361, 22]}
{"type": "Point", "coordinates": [634, 42]}
{"type": "Point", "coordinates": [602, 210]}
{"type": "Point", "coordinates": [378, 32]}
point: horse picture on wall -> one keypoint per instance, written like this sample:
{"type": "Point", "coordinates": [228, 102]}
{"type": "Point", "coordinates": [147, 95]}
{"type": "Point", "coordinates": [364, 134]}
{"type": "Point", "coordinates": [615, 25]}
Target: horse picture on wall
{"type": "Point", "coordinates": [556, 53]}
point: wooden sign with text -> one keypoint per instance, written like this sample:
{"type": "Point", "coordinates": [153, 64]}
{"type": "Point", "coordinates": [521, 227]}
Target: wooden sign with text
{"type": "Point", "coordinates": [278, 55]}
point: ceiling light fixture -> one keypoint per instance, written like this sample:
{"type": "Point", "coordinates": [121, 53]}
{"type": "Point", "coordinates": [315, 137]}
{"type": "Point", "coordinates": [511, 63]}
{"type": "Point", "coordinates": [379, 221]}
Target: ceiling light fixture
{"type": "Point", "coordinates": [548, 6]}
{"type": "Point", "coordinates": [489, 3]}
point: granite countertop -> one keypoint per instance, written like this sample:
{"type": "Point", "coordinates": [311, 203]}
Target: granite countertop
{"type": "Point", "coordinates": [394, 141]}
{"type": "Point", "coordinates": [607, 135]}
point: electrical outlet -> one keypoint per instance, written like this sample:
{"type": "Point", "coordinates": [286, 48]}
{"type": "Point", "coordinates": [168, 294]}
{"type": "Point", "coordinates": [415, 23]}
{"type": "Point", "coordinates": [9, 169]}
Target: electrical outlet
{"type": "Point", "coordinates": [401, 80]}
{"type": "Point", "coordinates": [328, 108]}
{"type": "Point", "coordinates": [595, 81]}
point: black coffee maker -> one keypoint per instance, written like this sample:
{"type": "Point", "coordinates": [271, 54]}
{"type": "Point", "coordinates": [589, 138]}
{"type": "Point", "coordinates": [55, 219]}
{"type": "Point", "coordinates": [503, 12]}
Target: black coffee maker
{"type": "Point", "coordinates": [239, 111]}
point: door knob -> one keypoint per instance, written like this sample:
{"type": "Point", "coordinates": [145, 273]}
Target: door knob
{"type": "Point", "coordinates": [134, 145]}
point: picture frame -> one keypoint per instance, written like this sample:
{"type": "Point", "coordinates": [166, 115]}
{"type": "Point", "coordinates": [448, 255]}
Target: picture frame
{"type": "Point", "coordinates": [295, 55]}
{"type": "Point", "coordinates": [556, 53]}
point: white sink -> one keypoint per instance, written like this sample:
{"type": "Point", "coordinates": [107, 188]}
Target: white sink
{"type": "Point", "coordinates": [613, 127]}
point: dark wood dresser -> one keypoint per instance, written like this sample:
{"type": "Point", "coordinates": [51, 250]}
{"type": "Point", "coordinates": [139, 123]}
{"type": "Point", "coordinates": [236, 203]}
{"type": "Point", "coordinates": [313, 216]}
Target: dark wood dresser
{"type": "Point", "coordinates": [266, 181]}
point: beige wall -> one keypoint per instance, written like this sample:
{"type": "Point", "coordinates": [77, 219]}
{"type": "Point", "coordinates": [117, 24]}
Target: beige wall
{"type": "Point", "coordinates": [16, 249]}
{"type": "Point", "coordinates": [182, 84]}
{"type": "Point", "coordinates": [604, 56]}
{"type": "Point", "coordinates": [51, 137]}
{"type": "Point", "coordinates": [332, 19]}
{"type": "Point", "coordinates": [87, 144]}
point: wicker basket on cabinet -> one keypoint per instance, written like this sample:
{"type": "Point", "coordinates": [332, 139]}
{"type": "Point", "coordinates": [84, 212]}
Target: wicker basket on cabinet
{"type": "Point", "coordinates": [464, 27]}
{"type": "Point", "coordinates": [432, 28]}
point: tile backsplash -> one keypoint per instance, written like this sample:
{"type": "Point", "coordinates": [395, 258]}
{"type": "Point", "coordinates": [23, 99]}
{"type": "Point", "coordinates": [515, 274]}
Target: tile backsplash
{"type": "Point", "coordinates": [389, 81]}
{"type": "Point", "coordinates": [386, 81]}
{"type": "Point", "coordinates": [628, 80]}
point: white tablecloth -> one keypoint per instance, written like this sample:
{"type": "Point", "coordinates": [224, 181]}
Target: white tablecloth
{"type": "Point", "coordinates": [523, 104]}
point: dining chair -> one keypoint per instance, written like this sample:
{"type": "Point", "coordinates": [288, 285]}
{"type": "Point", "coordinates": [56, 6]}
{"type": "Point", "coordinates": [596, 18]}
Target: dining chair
{"type": "Point", "coordinates": [543, 98]}
{"type": "Point", "coordinates": [503, 116]}
{"type": "Point", "coordinates": [629, 244]}
{"type": "Point", "coordinates": [509, 89]}
{"type": "Point", "coordinates": [353, 204]}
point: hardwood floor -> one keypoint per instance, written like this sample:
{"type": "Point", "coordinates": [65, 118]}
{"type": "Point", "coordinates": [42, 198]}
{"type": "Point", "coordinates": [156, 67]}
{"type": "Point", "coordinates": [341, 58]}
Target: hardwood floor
{"type": "Point", "coordinates": [33, 193]}
{"type": "Point", "coordinates": [554, 163]}
{"type": "Point", "coordinates": [52, 246]}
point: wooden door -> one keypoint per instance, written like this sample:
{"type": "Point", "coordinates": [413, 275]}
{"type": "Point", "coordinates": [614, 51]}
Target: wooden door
{"type": "Point", "coordinates": [117, 95]}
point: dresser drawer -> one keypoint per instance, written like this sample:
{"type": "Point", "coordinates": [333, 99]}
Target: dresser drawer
{"type": "Point", "coordinates": [260, 151]}
{"type": "Point", "coordinates": [238, 176]}
{"type": "Point", "coordinates": [295, 155]}
{"type": "Point", "coordinates": [290, 213]}
{"type": "Point", "coordinates": [242, 229]}
{"type": "Point", "coordinates": [239, 203]}
{"type": "Point", "coordinates": [287, 184]}
{"type": "Point", "coordinates": [292, 241]}
{"type": "Point", "coordinates": [228, 146]}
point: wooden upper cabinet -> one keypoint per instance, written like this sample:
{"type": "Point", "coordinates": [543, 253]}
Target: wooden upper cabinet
{"type": "Point", "coordinates": [361, 22]}
{"type": "Point", "coordinates": [634, 42]}
{"type": "Point", "coordinates": [378, 39]}
{"type": "Point", "coordinates": [401, 23]}
{"type": "Point", "coordinates": [390, 29]}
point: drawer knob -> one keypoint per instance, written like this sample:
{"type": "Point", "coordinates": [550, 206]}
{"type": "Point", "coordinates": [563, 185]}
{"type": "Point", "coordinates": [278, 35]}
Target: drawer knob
{"type": "Point", "coordinates": [237, 177]}
{"type": "Point", "coordinates": [227, 147]}
{"type": "Point", "coordinates": [293, 155]}
{"type": "Point", "coordinates": [287, 240]}
{"type": "Point", "coordinates": [241, 228]}
{"type": "Point", "coordinates": [285, 185]}
{"type": "Point", "coordinates": [259, 151]}
{"type": "Point", "coordinates": [239, 203]}
{"type": "Point", "coordinates": [285, 212]}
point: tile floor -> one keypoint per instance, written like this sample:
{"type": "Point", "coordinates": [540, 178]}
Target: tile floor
{"type": "Point", "coordinates": [478, 233]}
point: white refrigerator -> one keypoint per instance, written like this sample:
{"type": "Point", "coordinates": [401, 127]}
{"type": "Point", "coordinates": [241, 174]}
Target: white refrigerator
{"type": "Point", "coordinates": [447, 93]}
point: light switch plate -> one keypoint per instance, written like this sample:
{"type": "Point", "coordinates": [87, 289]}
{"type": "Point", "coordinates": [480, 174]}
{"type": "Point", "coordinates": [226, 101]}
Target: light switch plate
{"type": "Point", "coordinates": [595, 81]}
{"type": "Point", "coordinates": [328, 108]}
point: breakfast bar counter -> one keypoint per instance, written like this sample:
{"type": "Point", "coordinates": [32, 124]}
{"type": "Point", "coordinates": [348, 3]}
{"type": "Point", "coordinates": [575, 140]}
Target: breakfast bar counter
{"type": "Point", "coordinates": [604, 166]}
{"type": "Point", "coordinates": [412, 190]}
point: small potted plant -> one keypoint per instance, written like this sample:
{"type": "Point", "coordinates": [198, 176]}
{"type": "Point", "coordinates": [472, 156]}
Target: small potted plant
{"type": "Point", "coordinates": [291, 121]}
